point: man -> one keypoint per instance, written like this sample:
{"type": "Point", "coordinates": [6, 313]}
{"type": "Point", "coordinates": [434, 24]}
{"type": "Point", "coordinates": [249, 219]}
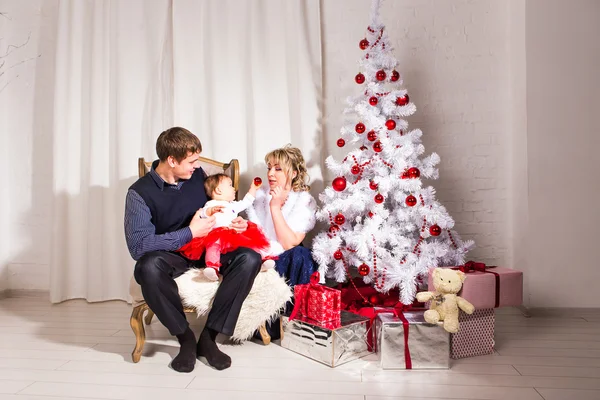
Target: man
{"type": "Point", "coordinates": [163, 211]}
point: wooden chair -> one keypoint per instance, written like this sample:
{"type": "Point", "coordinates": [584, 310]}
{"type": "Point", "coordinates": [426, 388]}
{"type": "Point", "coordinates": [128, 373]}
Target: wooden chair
{"type": "Point", "coordinates": [139, 305]}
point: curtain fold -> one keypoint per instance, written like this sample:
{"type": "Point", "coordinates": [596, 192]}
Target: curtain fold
{"type": "Point", "coordinates": [244, 76]}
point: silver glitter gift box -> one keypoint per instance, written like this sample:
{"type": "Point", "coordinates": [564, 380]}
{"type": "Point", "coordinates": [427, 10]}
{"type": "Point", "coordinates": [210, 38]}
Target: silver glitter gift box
{"type": "Point", "coordinates": [428, 344]}
{"type": "Point", "coordinates": [331, 343]}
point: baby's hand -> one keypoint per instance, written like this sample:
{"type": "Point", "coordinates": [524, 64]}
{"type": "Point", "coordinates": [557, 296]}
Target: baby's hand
{"type": "Point", "coordinates": [256, 182]}
{"type": "Point", "coordinates": [213, 210]}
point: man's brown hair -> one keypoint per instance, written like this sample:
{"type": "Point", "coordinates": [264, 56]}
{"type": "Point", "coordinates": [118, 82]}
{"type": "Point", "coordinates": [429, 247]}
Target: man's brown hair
{"type": "Point", "coordinates": [178, 143]}
{"type": "Point", "coordinates": [211, 182]}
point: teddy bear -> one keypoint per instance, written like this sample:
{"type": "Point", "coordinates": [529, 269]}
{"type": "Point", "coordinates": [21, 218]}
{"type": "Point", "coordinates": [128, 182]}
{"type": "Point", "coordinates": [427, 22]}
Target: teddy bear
{"type": "Point", "coordinates": [445, 303]}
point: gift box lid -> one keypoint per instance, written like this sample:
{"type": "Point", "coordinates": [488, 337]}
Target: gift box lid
{"type": "Point", "coordinates": [413, 317]}
{"type": "Point", "coordinates": [346, 318]}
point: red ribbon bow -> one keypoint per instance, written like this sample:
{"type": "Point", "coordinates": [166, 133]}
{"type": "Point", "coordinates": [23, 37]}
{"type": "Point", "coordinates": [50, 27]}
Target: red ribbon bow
{"type": "Point", "coordinates": [472, 266]}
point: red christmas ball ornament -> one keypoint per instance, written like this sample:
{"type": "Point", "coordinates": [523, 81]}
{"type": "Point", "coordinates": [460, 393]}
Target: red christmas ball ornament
{"type": "Point", "coordinates": [380, 75]}
{"type": "Point", "coordinates": [377, 147]}
{"type": "Point", "coordinates": [395, 76]}
{"type": "Point", "coordinates": [340, 219]}
{"type": "Point", "coordinates": [363, 44]}
{"type": "Point", "coordinates": [333, 229]}
{"type": "Point", "coordinates": [390, 124]}
{"type": "Point", "coordinates": [359, 78]}
{"type": "Point", "coordinates": [435, 230]}
{"type": "Point", "coordinates": [338, 255]}
{"type": "Point", "coordinates": [378, 198]}
{"type": "Point", "coordinates": [413, 173]}
{"type": "Point", "coordinates": [411, 201]}
{"type": "Point", "coordinates": [372, 136]}
{"type": "Point", "coordinates": [370, 214]}
{"type": "Point", "coordinates": [355, 169]}
{"type": "Point", "coordinates": [373, 185]}
{"type": "Point", "coordinates": [257, 181]}
{"type": "Point", "coordinates": [402, 101]}
{"type": "Point", "coordinates": [363, 269]}
{"type": "Point", "coordinates": [374, 299]}
{"type": "Point", "coordinates": [360, 128]}
{"type": "Point", "coordinates": [339, 183]}
{"type": "Point", "coordinates": [341, 142]}
{"type": "Point", "coordinates": [373, 101]}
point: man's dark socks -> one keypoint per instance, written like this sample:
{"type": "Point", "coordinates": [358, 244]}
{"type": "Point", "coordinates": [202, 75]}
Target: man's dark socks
{"type": "Point", "coordinates": [207, 347]}
{"type": "Point", "coordinates": [186, 359]}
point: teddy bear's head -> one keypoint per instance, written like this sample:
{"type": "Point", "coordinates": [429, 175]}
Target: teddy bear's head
{"type": "Point", "coordinates": [446, 280]}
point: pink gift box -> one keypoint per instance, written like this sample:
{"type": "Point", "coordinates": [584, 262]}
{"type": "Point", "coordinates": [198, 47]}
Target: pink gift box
{"type": "Point", "coordinates": [319, 303]}
{"type": "Point", "coordinates": [475, 336]}
{"type": "Point", "coordinates": [496, 287]}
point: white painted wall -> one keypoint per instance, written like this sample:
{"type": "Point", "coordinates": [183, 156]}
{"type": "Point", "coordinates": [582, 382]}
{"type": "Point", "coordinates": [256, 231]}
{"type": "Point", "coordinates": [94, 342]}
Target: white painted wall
{"type": "Point", "coordinates": [481, 74]}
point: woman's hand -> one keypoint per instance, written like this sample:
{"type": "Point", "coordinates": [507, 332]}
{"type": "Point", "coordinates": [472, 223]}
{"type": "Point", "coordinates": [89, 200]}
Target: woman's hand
{"type": "Point", "coordinates": [278, 197]}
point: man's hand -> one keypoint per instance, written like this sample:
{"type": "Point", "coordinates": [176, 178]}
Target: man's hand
{"type": "Point", "coordinates": [239, 224]}
{"type": "Point", "coordinates": [201, 226]}
{"type": "Point", "coordinates": [213, 210]}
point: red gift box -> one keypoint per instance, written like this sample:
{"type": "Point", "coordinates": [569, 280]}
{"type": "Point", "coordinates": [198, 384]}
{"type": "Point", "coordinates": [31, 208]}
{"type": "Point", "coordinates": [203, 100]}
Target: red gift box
{"type": "Point", "coordinates": [317, 302]}
{"type": "Point", "coordinates": [489, 287]}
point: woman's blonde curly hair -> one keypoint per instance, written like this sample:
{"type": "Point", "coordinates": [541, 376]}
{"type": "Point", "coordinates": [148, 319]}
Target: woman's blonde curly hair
{"type": "Point", "coordinates": [290, 159]}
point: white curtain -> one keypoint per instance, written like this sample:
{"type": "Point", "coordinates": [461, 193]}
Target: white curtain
{"type": "Point", "coordinates": [245, 76]}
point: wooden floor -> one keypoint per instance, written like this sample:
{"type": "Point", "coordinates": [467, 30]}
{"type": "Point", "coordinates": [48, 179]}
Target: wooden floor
{"type": "Point", "coordinates": [83, 351]}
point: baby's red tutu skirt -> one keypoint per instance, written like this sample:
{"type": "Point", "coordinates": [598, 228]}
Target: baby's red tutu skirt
{"type": "Point", "coordinates": [229, 240]}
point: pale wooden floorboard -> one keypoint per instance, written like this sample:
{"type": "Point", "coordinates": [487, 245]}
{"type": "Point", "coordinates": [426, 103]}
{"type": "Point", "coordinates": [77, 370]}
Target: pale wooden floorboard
{"type": "Point", "coordinates": [76, 350]}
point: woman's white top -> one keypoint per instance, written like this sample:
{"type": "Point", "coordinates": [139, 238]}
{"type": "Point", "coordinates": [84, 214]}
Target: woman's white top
{"type": "Point", "coordinates": [299, 212]}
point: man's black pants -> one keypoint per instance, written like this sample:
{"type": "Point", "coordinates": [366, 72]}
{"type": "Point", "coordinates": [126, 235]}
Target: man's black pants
{"type": "Point", "coordinates": [156, 271]}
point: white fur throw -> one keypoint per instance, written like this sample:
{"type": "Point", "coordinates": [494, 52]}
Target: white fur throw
{"type": "Point", "coordinates": [267, 296]}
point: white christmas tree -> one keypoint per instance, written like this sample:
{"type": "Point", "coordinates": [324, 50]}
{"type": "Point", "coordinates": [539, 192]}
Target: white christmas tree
{"type": "Point", "coordinates": [383, 222]}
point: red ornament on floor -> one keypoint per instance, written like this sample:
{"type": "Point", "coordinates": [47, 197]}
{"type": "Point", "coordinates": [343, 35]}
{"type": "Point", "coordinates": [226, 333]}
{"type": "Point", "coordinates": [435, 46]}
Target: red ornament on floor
{"type": "Point", "coordinates": [257, 181]}
{"type": "Point", "coordinates": [373, 101]}
{"type": "Point", "coordinates": [359, 78]}
{"type": "Point", "coordinates": [339, 183]}
{"type": "Point", "coordinates": [413, 173]}
{"type": "Point", "coordinates": [390, 124]}
{"type": "Point", "coordinates": [395, 76]}
{"type": "Point", "coordinates": [340, 219]}
{"type": "Point", "coordinates": [355, 169]}
{"type": "Point", "coordinates": [360, 128]}
{"type": "Point", "coordinates": [380, 75]}
{"type": "Point", "coordinates": [363, 270]}
{"type": "Point", "coordinates": [372, 136]}
{"type": "Point", "coordinates": [435, 230]}
{"type": "Point", "coordinates": [378, 198]}
{"type": "Point", "coordinates": [373, 185]}
{"type": "Point", "coordinates": [363, 44]}
{"type": "Point", "coordinates": [341, 142]}
{"type": "Point", "coordinates": [338, 255]}
{"type": "Point", "coordinates": [402, 101]}
{"type": "Point", "coordinates": [411, 201]}
{"type": "Point", "coordinates": [377, 147]}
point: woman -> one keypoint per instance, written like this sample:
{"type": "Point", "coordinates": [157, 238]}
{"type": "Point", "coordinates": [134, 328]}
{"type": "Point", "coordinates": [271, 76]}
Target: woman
{"type": "Point", "coordinates": [286, 212]}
